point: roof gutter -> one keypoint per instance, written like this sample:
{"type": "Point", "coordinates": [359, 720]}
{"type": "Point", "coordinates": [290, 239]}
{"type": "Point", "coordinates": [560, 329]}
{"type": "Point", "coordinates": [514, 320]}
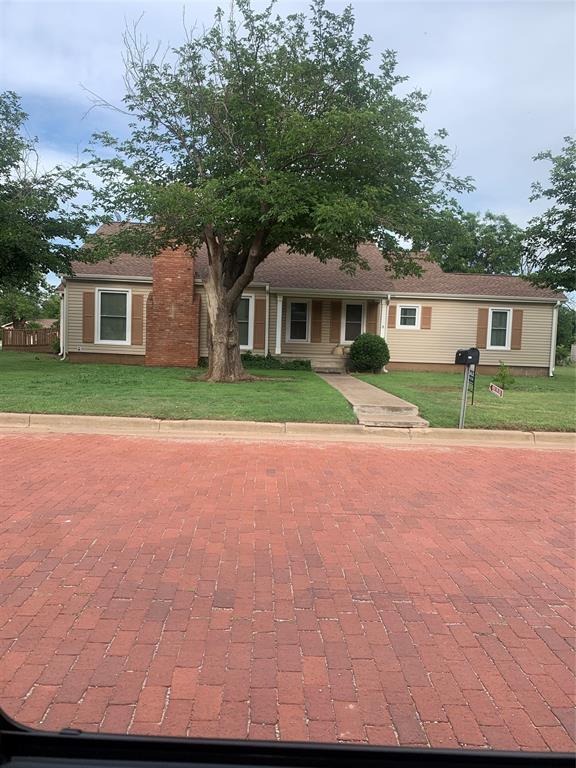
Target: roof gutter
{"type": "Point", "coordinates": [473, 297]}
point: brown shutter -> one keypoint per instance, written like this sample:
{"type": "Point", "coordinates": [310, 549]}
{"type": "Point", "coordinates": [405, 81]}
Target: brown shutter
{"type": "Point", "coordinates": [392, 316]}
{"type": "Point", "coordinates": [517, 318]}
{"type": "Point", "coordinates": [259, 323]}
{"type": "Point", "coordinates": [137, 319]}
{"type": "Point", "coordinates": [482, 328]}
{"type": "Point", "coordinates": [88, 302]}
{"type": "Point", "coordinates": [372, 317]}
{"type": "Point", "coordinates": [316, 325]}
{"type": "Point", "coordinates": [426, 320]}
{"type": "Point", "coordinates": [335, 319]}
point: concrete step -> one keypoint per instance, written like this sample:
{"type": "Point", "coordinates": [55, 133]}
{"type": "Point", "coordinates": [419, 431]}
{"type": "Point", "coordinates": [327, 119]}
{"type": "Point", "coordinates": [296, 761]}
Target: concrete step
{"type": "Point", "coordinates": [370, 410]}
{"type": "Point", "coordinates": [399, 421]}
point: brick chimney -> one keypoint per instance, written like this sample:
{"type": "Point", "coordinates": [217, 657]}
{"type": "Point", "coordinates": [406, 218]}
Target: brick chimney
{"type": "Point", "coordinates": [173, 312]}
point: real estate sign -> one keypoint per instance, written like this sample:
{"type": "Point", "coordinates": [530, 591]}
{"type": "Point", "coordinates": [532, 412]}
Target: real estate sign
{"type": "Point", "coordinates": [496, 390]}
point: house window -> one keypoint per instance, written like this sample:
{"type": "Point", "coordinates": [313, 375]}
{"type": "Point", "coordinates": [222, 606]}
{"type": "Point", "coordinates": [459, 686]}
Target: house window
{"type": "Point", "coordinates": [408, 316]}
{"type": "Point", "coordinates": [353, 321]}
{"type": "Point", "coordinates": [113, 323]}
{"type": "Point", "coordinates": [499, 329]}
{"type": "Point", "coordinates": [245, 324]}
{"type": "Point", "coordinates": [298, 321]}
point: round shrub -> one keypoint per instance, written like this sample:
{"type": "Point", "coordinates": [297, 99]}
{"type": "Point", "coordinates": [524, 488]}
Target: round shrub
{"type": "Point", "coordinates": [369, 352]}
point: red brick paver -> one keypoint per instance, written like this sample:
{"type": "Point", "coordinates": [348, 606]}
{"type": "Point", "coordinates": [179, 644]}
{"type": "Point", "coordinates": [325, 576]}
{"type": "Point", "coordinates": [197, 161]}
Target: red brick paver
{"type": "Point", "coordinates": [368, 594]}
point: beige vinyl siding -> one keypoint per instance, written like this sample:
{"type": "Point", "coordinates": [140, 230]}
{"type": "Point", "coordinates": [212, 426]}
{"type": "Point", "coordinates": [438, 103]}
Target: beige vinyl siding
{"type": "Point", "coordinates": [74, 291]}
{"type": "Point", "coordinates": [203, 346]}
{"type": "Point", "coordinates": [454, 326]}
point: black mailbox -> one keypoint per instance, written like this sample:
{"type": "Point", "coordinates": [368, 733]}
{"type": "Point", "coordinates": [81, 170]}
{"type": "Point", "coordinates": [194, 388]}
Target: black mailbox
{"type": "Point", "coordinates": [467, 356]}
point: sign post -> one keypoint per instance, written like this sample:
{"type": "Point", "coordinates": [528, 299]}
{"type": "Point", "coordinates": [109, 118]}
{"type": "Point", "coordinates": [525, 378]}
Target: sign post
{"type": "Point", "coordinates": [464, 399]}
{"type": "Point", "coordinates": [470, 359]}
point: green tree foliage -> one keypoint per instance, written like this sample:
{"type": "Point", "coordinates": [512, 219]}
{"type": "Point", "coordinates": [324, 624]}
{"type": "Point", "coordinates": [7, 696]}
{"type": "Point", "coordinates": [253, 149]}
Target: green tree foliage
{"type": "Point", "coordinates": [40, 224]}
{"type": "Point", "coordinates": [50, 306]}
{"type": "Point", "coordinates": [470, 242]}
{"type": "Point", "coordinates": [265, 130]}
{"type": "Point", "coordinates": [551, 238]}
{"type": "Point", "coordinates": [17, 306]}
{"type": "Point", "coordinates": [566, 335]}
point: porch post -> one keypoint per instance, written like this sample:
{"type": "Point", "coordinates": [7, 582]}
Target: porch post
{"type": "Point", "coordinates": [278, 348]}
{"type": "Point", "coordinates": [383, 318]}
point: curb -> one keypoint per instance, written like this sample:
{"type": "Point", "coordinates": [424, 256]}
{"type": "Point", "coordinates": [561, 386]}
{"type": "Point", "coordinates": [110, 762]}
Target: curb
{"type": "Point", "coordinates": [203, 429]}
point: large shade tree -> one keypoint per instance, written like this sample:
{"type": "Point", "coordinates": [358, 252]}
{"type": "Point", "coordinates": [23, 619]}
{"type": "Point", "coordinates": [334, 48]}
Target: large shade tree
{"type": "Point", "coordinates": [550, 255]}
{"type": "Point", "coordinates": [264, 131]}
{"type": "Point", "coordinates": [41, 222]}
{"type": "Point", "coordinates": [488, 244]}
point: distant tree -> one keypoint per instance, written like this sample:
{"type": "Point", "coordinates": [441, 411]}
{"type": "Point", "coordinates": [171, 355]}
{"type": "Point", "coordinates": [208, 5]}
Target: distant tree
{"type": "Point", "coordinates": [566, 335]}
{"type": "Point", "coordinates": [264, 131]}
{"type": "Point", "coordinates": [17, 306]}
{"type": "Point", "coordinates": [550, 252]}
{"type": "Point", "coordinates": [40, 224]}
{"type": "Point", "coordinates": [50, 304]}
{"type": "Point", "coordinates": [470, 242]}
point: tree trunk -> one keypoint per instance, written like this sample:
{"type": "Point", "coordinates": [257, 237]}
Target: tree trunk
{"type": "Point", "coordinates": [228, 275]}
{"type": "Point", "coordinates": [224, 363]}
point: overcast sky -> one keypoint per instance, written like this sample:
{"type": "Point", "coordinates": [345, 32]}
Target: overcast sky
{"type": "Point", "coordinates": [500, 75]}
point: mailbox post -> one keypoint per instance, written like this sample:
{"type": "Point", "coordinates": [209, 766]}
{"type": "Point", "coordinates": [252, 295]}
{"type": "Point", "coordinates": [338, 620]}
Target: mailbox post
{"type": "Point", "coordinates": [470, 359]}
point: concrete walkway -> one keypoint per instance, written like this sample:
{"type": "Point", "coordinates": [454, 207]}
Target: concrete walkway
{"type": "Point", "coordinates": [373, 406]}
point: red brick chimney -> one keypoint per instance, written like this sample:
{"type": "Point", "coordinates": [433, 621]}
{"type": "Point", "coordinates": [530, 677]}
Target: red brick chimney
{"type": "Point", "coordinates": [173, 312]}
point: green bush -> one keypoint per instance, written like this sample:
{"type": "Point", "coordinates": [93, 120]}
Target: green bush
{"type": "Point", "coordinates": [368, 353]}
{"type": "Point", "coordinates": [250, 360]}
{"type": "Point", "coordinates": [504, 378]}
{"type": "Point", "coordinates": [563, 352]}
{"type": "Point", "coordinates": [56, 345]}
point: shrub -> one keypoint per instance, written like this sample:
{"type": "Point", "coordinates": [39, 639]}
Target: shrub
{"type": "Point", "coordinates": [368, 352]}
{"type": "Point", "coordinates": [56, 345]}
{"type": "Point", "coordinates": [563, 352]}
{"type": "Point", "coordinates": [504, 378]}
{"type": "Point", "coordinates": [270, 362]}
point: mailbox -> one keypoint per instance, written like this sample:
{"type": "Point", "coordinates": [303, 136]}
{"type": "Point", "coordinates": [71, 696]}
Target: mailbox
{"type": "Point", "coordinates": [467, 356]}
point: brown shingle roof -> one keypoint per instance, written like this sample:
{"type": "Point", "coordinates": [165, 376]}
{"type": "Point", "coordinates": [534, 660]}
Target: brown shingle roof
{"type": "Point", "coordinates": [304, 272]}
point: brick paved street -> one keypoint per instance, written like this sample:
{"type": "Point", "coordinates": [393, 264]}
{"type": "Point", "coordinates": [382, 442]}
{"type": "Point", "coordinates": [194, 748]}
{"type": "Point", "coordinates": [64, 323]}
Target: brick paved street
{"type": "Point", "coordinates": [350, 592]}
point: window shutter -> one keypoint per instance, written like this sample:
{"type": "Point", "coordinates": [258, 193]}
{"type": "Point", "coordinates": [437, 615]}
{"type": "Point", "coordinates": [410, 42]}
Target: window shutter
{"type": "Point", "coordinates": [372, 317]}
{"type": "Point", "coordinates": [137, 319]}
{"type": "Point", "coordinates": [426, 320]}
{"type": "Point", "coordinates": [88, 303]}
{"type": "Point", "coordinates": [517, 319]}
{"type": "Point", "coordinates": [482, 328]}
{"type": "Point", "coordinates": [259, 323]}
{"type": "Point", "coordinates": [316, 328]}
{"type": "Point", "coordinates": [335, 316]}
{"type": "Point", "coordinates": [392, 316]}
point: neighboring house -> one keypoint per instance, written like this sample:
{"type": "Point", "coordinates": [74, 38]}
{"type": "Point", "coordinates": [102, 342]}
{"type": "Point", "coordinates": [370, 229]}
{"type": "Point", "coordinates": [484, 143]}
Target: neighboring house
{"type": "Point", "coordinates": [140, 310]}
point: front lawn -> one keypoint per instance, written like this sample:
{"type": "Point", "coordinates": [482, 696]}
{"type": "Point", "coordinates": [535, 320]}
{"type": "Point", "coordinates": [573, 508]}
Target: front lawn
{"type": "Point", "coordinates": [31, 383]}
{"type": "Point", "coordinates": [532, 403]}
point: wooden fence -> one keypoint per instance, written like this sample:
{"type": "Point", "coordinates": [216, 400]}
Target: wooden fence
{"type": "Point", "coordinates": [29, 339]}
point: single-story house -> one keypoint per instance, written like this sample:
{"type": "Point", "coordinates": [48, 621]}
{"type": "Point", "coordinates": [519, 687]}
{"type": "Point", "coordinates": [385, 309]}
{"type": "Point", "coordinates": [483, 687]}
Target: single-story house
{"type": "Point", "coordinates": [152, 311]}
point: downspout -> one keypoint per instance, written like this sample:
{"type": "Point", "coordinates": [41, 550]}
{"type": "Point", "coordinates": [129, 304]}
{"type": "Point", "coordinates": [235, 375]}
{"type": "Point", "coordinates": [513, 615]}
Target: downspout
{"type": "Point", "coordinates": [63, 323]}
{"type": "Point", "coordinates": [267, 327]}
{"type": "Point", "coordinates": [553, 336]}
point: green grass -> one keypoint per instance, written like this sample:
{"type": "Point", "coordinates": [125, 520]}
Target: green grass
{"type": "Point", "coordinates": [31, 383]}
{"type": "Point", "coordinates": [532, 403]}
